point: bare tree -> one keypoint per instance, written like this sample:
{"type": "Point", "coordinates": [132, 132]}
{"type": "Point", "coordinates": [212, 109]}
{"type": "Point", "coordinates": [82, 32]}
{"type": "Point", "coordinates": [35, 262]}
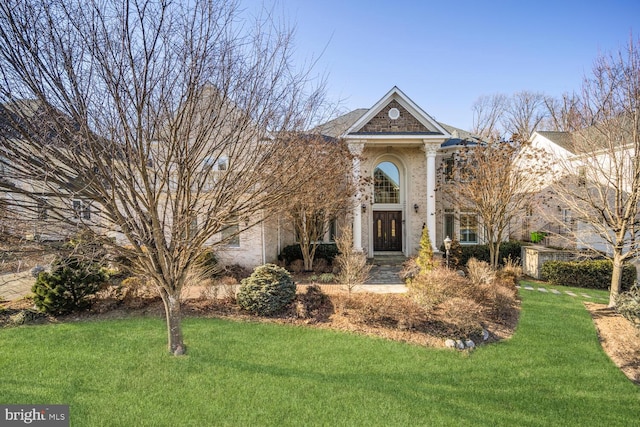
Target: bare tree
{"type": "Point", "coordinates": [152, 125]}
{"type": "Point", "coordinates": [561, 113]}
{"type": "Point", "coordinates": [523, 114]}
{"type": "Point", "coordinates": [487, 114]}
{"type": "Point", "coordinates": [321, 201]}
{"type": "Point", "coordinates": [353, 269]}
{"type": "Point", "coordinates": [601, 183]}
{"type": "Point", "coordinates": [495, 180]}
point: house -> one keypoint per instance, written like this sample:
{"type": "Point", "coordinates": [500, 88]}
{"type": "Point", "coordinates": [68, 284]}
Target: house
{"type": "Point", "coordinates": [403, 151]}
{"type": "Point", "coordinates": [401, 148]}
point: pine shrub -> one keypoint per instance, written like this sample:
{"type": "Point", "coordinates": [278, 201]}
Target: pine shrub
{"type": "Point", "coordinates": [628, 305]}
{"type": "Point", "coordinates": [68, 287]}
{"type": "Point", "coordinates": [269, 290]}
{"type": "Point", "coordinates": [425, 255]}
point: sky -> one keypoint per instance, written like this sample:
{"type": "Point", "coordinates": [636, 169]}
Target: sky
{"type": "Point", "coordinates": [445, 54]}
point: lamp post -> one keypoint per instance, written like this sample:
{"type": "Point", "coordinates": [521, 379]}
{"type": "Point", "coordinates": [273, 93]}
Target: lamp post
{"type": "Point", "coordinates": [447, 246]}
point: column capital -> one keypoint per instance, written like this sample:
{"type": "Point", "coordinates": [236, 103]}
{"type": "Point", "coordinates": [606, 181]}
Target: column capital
{"type": "Point", "coordinates": [356, 148]}
{"type": "Point", "coordinates": [431, 148]}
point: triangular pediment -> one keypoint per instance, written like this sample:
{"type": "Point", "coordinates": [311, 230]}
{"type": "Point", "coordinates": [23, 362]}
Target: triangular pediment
{"type": "Point", "coordinates": [396, 114]}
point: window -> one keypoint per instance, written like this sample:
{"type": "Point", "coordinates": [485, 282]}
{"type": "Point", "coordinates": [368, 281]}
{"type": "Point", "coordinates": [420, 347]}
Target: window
{"type": "Point", "coordinates": [582, 176]}
{"type": "Point", "coordinates": [567, 220]}
{"type": "Point", "coordinates": [223, 163]}
{"type": "Point", "coordinates": [468, 228]}
{"type": "Point", "coordinates": [448, 169]}
{"type": "Point", "coordinates": [193, 226]}
{"type": "Point", "coordinates": [41, 210]}
{"type": "Point", "coordinates": [81, 209]}
{"type": "Point", "coordinates": [230, 234]}
{"type": "Point", "coordinates": [220, 163]}
{"type": "Point", "coordinates": [386, 183]}
{"type": "Point", "coordinates": [449, 224]}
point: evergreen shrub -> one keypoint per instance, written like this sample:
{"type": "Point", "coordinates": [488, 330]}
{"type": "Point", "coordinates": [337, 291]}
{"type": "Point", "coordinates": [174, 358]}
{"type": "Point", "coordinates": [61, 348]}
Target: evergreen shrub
{"type": "Point", "coordinates": [68, 286]}
{"type": "Point", "coordinates": [326, 251]}
{"type": "Point", "coordinates": [628, 305]}
{"type": "Point", "coordinates": [592, 274]}
{"type": "Point", "coordinates": [269, 290]}
{"type": "Point", "coordinates": [508, 250]}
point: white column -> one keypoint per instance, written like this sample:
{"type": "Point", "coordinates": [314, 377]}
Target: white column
{"type": "Point", "coordinates": [431, 150]}
{"type": "Point", "coordinates": [356, 151]}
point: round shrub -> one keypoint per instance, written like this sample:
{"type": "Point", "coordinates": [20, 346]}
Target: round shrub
{"type": "Point", "coordinates": [268, 290]}
{"type": "Point", "coordinates": [68, 286]}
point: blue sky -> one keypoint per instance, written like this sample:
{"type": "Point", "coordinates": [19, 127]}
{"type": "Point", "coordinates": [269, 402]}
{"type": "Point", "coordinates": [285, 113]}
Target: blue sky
{"type": "Point", "coordinates": [445, 54]}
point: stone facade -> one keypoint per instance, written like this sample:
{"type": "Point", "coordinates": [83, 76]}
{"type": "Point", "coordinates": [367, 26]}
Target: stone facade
{"type": "Point", "coordinates": [381, 123]}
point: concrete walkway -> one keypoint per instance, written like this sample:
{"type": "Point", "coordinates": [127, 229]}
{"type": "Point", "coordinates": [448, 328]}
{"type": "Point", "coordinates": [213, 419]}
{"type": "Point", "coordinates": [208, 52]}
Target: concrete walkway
{"type": "Point", "coordinates": [583, 294]}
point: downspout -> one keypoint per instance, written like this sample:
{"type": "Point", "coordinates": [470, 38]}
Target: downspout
{"type": "Point", "coordinates": [264, 245]}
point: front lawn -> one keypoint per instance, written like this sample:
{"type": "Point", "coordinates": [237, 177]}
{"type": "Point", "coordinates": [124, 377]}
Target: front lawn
{"type": "Point", "coordinates": [116, 373]}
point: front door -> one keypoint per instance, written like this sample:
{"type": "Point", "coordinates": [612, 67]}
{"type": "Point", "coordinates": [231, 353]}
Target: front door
{"type": "Point", "coordinates": [387, 231]}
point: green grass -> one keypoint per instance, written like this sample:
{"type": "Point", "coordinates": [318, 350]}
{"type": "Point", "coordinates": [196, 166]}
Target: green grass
{"type": "Point", "coordinates": [116, 373]}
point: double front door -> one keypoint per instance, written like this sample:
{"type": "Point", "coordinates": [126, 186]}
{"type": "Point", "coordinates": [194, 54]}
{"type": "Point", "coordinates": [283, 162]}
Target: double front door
{"type": "Point", "coordinates": [387, 231]}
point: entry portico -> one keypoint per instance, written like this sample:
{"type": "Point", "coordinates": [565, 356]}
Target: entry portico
{"type": "Point", "coordinates": [396, 144]}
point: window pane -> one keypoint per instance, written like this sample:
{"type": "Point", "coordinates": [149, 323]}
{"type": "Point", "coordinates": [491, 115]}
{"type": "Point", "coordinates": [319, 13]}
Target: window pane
{"type": "Point", "coordinates": [449, 230]}
{"type": "Point", "coordinates": [386, 178]}
{"type": "Point", "coordinates": [230, 233]}
{"type": "Point", "coordinates": [468, 228]}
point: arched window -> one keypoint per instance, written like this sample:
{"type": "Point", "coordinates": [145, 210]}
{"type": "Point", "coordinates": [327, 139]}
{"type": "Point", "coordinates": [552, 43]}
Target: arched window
{"type": "Point", "coordinates": [386, 183]}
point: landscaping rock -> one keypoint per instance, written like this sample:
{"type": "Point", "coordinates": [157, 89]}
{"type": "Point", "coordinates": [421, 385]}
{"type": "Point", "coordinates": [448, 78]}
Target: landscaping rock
{"type": "Point", "coordinates": [485, 335]}
{"type": "Point", "coordinates": [469, 344]}
{"type": "Point", "coordinates": [460, 344]}
{"type": "Point", "coordinates": [450, 343]}
{"type": "Point", "coordinates": [35, 271]}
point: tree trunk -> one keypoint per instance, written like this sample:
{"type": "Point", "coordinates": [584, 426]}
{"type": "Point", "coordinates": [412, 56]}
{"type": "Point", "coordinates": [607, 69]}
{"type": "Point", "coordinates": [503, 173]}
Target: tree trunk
{"type": "Point", "coordinates": [494, 254]}
{"type": "Point", "coordinates": [174, 322]}
{"type": "Point", "coordinates": [616, 277]}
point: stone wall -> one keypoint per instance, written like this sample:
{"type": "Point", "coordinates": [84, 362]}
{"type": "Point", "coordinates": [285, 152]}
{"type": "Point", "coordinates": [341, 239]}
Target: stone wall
{"type": "Point", "coordinates": [405, 123]}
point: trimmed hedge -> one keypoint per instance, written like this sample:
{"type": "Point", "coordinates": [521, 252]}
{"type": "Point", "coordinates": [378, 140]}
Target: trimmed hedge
{"type": "Point", "coordinates": [592, 274]}
{"type": "Point", "coordinates": [326, 251]}
{"type": "Point", "coordinates": [481, 252]}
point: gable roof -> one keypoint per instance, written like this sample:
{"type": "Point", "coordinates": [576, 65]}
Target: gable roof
{"type": "Point", "coordinates": [426, 125]}
{"type": "Point", "coordinates": [561, 139]}
{"type": "Point", "coordinates": [338, 126]}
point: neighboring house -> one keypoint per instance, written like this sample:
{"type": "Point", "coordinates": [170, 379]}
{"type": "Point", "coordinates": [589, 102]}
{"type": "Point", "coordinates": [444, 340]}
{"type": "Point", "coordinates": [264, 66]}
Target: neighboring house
{"type": "Point", "coordinates": [549, 212]}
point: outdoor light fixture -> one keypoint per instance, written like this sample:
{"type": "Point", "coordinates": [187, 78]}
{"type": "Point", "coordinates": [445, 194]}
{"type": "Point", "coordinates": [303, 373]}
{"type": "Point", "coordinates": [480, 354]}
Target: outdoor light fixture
{"type": "Point", "coordinates": [447, 247]}
{"type": "Point", "coordinates": [415, 207]}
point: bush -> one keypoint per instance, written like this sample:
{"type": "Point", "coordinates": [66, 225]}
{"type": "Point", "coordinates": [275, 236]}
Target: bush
{"type": "Point", "coordinates": [628, 305]}
{"type": "Point", "coordinates": [326, 251]}
{"type": "Point", "coordinates": [268, 290]}
{"type": "Point", "coordinates": [538, 236]}
{"type": "Point", "coordinates": [593, 274]}
{"type": "Point", "coordinates": [313, 304]}
{"type": "Point", "coordinates": [508, 250]}
{"type": "Point", "coordinates": [207, 264]}
{"type": "Point", "coordinates": [436, 286]}
{"type": "Point", "coordinates": [511, 272]}
{"type": "Point", "coordinates": [480, 272]}
{"type": "Point", "coordinates": [385, 310]}
{"type": "Point", "coordinates": [445, 290]}
{"type": "Point", "coordinates": [68, 286]}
